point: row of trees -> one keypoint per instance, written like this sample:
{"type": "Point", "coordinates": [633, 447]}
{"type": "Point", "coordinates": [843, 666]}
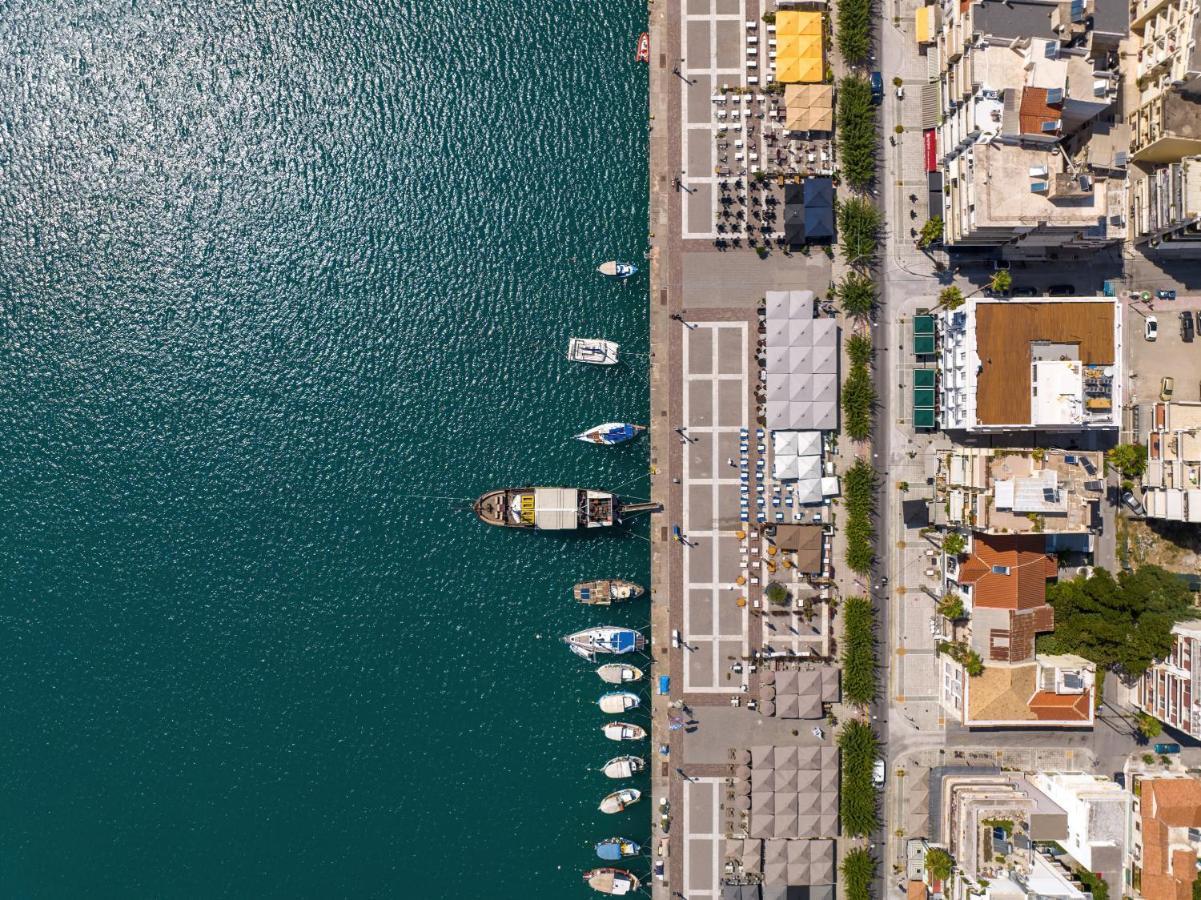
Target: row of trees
{"type": "Point", "coordinates": [858, 392]}
{"type": "Point", "coordinates": [856, 131]}
{"type": "Point", "coordinates": [859, 651]}
{"type": "Point", "coordinates": [858, 873]}
{"type": "Point", "coordinates": [859, 495]}
{"type": "Point", "coordinates": [854, 30]}
{"type": "Point", "coordinates": [1121, 624]}
{"type": "Point", "coordinates": [858, 799]}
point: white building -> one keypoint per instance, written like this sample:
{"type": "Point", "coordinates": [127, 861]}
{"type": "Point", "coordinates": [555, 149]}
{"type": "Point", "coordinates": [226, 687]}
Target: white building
{"type": "Point", "coordinates": [1097, 811]}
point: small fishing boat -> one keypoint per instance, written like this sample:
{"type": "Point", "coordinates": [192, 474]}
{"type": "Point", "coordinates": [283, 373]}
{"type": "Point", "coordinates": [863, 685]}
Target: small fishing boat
{"type": "Point", "coordinates": [623, 731]}
{"type": "Point", "coordinates": [623, 766]}
{"type": "Point", "coordinates": [617, 882]}
{"type": "Point", "coordinates": [643, 54]}
{"type": "Point", "coordinates": [615, 269]}
{"type": "Point", "coordinates": [610, 433]}
{"type": "Point", "coordinates": [616, 848]}
{"type": "Point", "coordinates": [619, 800]}
{"type": "Point", "coordinates": [592, 350]}
{"type": "Point", "coordinates": [606, 591]}
{"type": "Point", "coordinates": [618, 702]}
{"type": "Point", "coordinates": [605, 639]}
{"type": "Point", "coordinates": [619, 673]}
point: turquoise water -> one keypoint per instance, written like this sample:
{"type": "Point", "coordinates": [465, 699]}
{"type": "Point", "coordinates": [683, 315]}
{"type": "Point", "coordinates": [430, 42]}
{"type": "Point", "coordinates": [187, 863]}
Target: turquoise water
{"type": "Point", "coordinates": [273, 276]}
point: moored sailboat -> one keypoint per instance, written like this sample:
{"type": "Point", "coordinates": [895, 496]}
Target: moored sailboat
{"type": "Point", "coordinates": [610, 433]}
{"type": "Point", "coordinates": [605, 639]}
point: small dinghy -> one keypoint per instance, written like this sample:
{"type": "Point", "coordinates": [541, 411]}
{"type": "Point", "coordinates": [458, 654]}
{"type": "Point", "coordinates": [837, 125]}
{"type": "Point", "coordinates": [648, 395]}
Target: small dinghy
{"type": "Point", "coordinates": [623, 766]}
{"type": "Point", "coordinates": [610, 433]}
{"type": "Point", "coordinates": [619, 800]}
{"type": "Point", "coordinates": [618, 702]}
{"type": "Point", "coordinates": [592, 350]}
{"type": "Point", "coordinates": [615, 269]}
{"type": "Point", "coordinates": [617, 882]}
{"type": "Point", "coordinates": [606, 592]}
{"type": "Point", "coordinates": [643, 53]}
{"type": "Point", "coordinates": [619, 673]}
{"type": "Point", "coordinates": [616, 848]}
{"type": "Point", "coordinates": [623, 731]}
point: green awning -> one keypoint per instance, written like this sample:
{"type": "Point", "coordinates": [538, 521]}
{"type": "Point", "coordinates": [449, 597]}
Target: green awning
{"type": "Point", "coordinates": [923, 344]}
{"type": "Point", "coordinates": [923, 398]}
{"type": "Point", "coordinates": [923, 418]}
{"type": "Point", "coordinates": [923, 324]}
{"type": "Point", "coordinates": [923, 378]}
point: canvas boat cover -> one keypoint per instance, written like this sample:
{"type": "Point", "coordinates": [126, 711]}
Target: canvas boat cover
{"type": "Point", "coordinates": [555, 508]}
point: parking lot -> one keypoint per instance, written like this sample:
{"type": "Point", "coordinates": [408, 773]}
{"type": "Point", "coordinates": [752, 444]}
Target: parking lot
{"type": "Point", "coordinates": [1149, 362]}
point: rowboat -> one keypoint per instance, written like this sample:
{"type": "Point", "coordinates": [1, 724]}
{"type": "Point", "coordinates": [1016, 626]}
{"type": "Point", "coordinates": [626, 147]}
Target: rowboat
{"type": "Point", "coordinates": [610, 433]}
{"type": "Point", "coordinates": [618, 702]}
{"type": "Point", "coordinates": [617, 882]}
{"type": "Point", "coordinates": [623, 731]}
{"type": "Point", "coordinates": [623, 766]}
{"type": "Point", "coordinates": [615, 269]}
{"type": "Point", "coordinates": [619, 673]}
{"type": "Point", "coordinates": [606, 591]}
{"type": "Point", "coordinates": [643, 54]}
{"type": "Point", "coordinates": [616, 848]}
{"type": "Point", "coordinates": [619, 800]}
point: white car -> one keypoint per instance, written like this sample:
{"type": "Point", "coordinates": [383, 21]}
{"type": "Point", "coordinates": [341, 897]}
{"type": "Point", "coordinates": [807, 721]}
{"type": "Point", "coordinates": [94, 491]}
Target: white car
{"type": "Point", "coordinates": [1150, 328]}
{"type": "Point", "coordinates": [878, 773]}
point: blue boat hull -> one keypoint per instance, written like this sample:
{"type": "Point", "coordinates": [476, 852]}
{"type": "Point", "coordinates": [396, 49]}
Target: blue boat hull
{"type": "Point", "coordinates": [612, 849]}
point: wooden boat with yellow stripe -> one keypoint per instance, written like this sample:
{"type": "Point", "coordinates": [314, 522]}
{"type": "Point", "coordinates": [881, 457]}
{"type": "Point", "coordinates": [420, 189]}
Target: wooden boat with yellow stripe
{"type": "Point", "coordinates": [554, 508]}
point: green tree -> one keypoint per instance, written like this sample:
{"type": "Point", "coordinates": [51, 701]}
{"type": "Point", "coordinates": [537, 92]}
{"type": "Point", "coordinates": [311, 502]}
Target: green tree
{"type": "Point", "coordinates": [950, 297]}
{"type": "Point", "coordinates": [857, 295]}
{"type": "Point", "coordinates": [931, 232]}
{"type": "Point", "coordinates": [858, 874]}
{"type": "Point", "coordinates": [938, 863]}
{"type": "Point", "coordinates": [859, 225]}
{"type": "Point", "coordinates": [859, 349]}
{"type": "Point", "coordinates": [1002, 281]}
{"type": "Point", "coordinates": [859, 493]}
{"type": "Point", "coordinates": [1121, 624]}
{"type": "Point", "coordinates": [858, 402]}
{"type": "Point", "coordinates": [776, 593]}
{"type": "Point", "coordinates": [1129, 459]}
{"type": "Point", "coordinates": [951, 606]}
{"type": "Point", "coordinates": [859, 749]}
{"type": "Point", "coordinates": [954, 544]}
{"type": "Point", "coordinates": [854, 30]}
{"type": "Point", "coordinates": [1149, 726]}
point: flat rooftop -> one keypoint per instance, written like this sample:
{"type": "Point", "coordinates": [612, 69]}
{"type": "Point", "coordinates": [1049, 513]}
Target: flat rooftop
{"type": "Point", "coordinates": [1005, 331]}
{"type": "Point", "coordinates": [1002, 183]}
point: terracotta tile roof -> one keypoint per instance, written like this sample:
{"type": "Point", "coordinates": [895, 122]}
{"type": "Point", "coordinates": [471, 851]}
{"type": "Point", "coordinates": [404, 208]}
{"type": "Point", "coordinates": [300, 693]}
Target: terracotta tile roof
{"type": "Point", "coordinates": [1168, 803]}
{"type": "Point", "coordinates": [917, 890]}
{"type": "Point", "coordinates": [1048, 706]}
{"type": "Point", "coordinates": [1024, 626]}
{"type": "Point", "coordinates": [1025, 587]}
{"type": "Point", "coordinates": [1034, 111]}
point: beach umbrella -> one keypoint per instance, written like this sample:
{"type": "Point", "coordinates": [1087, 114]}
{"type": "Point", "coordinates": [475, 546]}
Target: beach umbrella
{"type": "Point", "coordinates": [767, 692]}
{"type": "Point", "coordinates": [742, 772]}
{"type": "Point", "coordinates": [742, 804]}
{"type": "Point", "coordinates": [743, 757]}
{"type": "Point", "coordinates": [767, 708]}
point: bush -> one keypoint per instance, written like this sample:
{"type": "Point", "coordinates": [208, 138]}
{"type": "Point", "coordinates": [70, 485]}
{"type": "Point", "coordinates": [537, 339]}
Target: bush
{"type": "Point", "coordinates": [860, 748]}
{"type": "Point", "coordinates": [1149, 726]}
{"type": "Point", "coordinates": [951, 606]}
{"type": "Point", "coordinates": [858, 874]}
{"type": "Point", "coordinates": [954, 543]}
{"type": "Point", "coordinates": [776, 593]}
{"type": "Point", "coordinates": [857, 294]}
{"type": "Point", "coordinates": [859, 231]}
{"type": "Point", "coordinates": [965, 656]}
{"type": "Point", "coordinates": [1002, 281]}
{"type": "Point", "coordinates": [854, 30]}
{"type": "Point", "coordinates": [858, 402]}
{"type": "Point", "coordinates": [859, 651]}
{"type": "Point", "coordinates": [938, 863]}
{"type": "Point", "coordinates": [859, 490]}
{"type": "Point", "coordinates": [856, 131]}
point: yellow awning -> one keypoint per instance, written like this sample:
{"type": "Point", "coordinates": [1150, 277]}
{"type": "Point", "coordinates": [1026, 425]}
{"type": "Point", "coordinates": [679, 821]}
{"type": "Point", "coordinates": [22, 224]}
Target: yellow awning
{"type": "Point", "coordinates": [792, 22]}
{"type": "Point", "coordinates": [788, 70]}
{"type": "Point", "coordinates": [811, 70]}
{"type": "Point", "coordinates": [922, 23]}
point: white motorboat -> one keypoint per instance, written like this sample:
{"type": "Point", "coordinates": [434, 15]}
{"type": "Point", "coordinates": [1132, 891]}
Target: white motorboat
{"type": "Point", "coordinates": [619, 800]}
{"type": "Point", "coordinates": [619, 673]}
{"type": "Point", "coordinates": [618, 702]}
{"type": "Point", "coordinates": [623, 731]}
{"type": "Point", "coordinates": [592, 350]}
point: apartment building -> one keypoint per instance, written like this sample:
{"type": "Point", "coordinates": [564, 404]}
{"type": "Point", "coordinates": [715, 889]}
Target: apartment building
{"type": "Point", "coordinates": [1002, 583]}
{"type": "Point", "coordinates": [1016, 80]}
{"type": "Point", "coordinates": [1165, 836]}
{"type": "Point", "coordinates": [1043, 364]}
{"type": "Point", "coordinates": [1171, 689]}
{"type": "Point", "coordinates": [1097, 810]}
{"type": "Point", "coordinates": [1165, 204]}
{"type": "Point", "coordinates": [1172, 483]}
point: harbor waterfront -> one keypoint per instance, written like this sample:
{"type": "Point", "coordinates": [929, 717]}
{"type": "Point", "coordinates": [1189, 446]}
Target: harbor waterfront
{"type": "Point", "coordinates": [286, 288]}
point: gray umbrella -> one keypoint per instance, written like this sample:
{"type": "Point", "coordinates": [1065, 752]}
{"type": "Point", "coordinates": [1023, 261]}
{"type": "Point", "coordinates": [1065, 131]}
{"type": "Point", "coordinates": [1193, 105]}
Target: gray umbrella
{"type": "Point", "coordinates": [767, 692]}
{"type": "Point", "coordinates": [743, 772]}
{"type": "Point", "coordinates": [743, 757]}
{"type": "Point", "coordinates": [768, 708]}
{"type": "Point", "coordinates": [742, 803]}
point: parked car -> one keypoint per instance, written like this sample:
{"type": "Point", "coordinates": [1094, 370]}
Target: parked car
{"type": "Point", "coordinates": [1197, 313]}
{"type": "Point", "coordinates": [1166, 386]}
{"type": "Point", "coordinates": [900, 92]}
{"type": "Point", "coordinates": [1133, 505]}
{"type": "Point", "coordinates": [878, 773]}
{"type": "Point", "coordinates": [1062, 290]}
{"type": "Point", "coordinates": [1024, 292]}
{"type": "Point", "coordinates": [1150, 328]}
{"type": "Point", "coordinates": [1165, 295]}
{"type": "Point", "coordinates": [877, 87]}
{"type": "Point", "coordinates": [1165, 749]}
{"type": "Point", "coordinates": [1186, 327]}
